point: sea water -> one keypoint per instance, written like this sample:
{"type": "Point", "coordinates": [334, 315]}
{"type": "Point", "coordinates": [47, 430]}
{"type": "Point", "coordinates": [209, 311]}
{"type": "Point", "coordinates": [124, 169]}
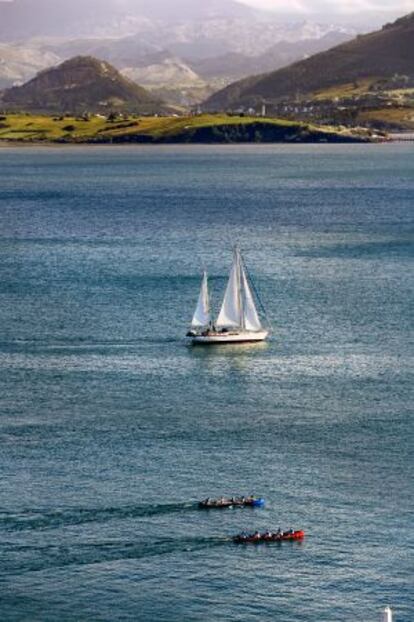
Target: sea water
{"type": "Point", "coordinates": [112, 428]}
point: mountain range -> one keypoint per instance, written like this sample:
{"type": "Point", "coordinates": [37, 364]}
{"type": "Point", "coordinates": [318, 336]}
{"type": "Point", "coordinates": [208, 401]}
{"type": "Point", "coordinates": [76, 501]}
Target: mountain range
{"type": "Point", "coordinates": [106, 18]}
{"type": "Point", "coordinates": [380, 55]}
{"type": "Point", "coordinates": [186, 48]}
{"type": "Point", "coordinates": [185, 52]}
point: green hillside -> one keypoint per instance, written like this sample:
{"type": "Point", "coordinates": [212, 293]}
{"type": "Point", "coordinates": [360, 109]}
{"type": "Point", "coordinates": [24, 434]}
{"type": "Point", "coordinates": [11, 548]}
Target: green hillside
{"type": "Point", "coordinates": [383, 54]}
{"type": "Point", "coordinates": [22, 128]}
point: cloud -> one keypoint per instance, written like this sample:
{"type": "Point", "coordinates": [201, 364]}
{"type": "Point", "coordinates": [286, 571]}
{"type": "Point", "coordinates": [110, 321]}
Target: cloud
{"type": "Point", "coordinates": [334, 6]}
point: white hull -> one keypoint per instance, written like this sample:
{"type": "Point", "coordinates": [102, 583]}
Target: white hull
{"type": "Point", "coordinates": [240, 337]}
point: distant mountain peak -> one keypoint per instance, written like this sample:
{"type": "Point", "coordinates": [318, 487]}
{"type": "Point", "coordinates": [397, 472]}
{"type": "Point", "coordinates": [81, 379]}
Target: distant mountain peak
{"type": "Point", "coordinates": [99, 67]}
{"type": "Point", "coordinates": [31, 18]}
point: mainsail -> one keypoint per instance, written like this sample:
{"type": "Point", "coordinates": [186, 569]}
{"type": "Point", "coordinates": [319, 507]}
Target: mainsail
{"type": "Point", "coordinates": [238, 308]}
{"type": "Point", "coordinates": [230, 312]}
{"type": "Point", "coordinates": [202, 315]}
{"type": "Point", "coordinates": [251, 317]}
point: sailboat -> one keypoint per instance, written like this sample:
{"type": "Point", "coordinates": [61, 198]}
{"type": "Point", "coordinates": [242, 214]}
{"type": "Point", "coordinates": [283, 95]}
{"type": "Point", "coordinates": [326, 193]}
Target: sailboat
{"type": "Point", "coordinates": [238, 320]}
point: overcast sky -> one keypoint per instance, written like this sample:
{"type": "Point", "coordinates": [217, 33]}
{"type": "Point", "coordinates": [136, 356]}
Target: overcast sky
{"type": "Point", "coordinates": [323, 7]}
{"type": "Point", "coordinates": [335, 6]}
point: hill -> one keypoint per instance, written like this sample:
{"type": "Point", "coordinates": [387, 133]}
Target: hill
{"type": "Point", "coordinates": [375, 56]}
{"type": "Point", "coordinates": [80, 84]}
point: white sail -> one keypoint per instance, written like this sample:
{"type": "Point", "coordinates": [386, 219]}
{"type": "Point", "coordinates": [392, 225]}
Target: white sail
{"type": "Point", "coordinates": [251, 317]}
{"type": "Point", "coordinates": [230, 313]}
{"type": "Point", "coordinates": [201, 315]}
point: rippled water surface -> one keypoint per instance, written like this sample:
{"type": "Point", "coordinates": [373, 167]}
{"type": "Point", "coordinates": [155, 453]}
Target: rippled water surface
{"type": "Point", "coordinates": [112, 428]}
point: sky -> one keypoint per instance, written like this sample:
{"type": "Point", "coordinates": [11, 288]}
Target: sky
{"type": "Point", "coordinates": [329, 6]}
{"type": "Point", "coordinates": [350, 7]}
{"type": "Point", "coordinates": [325, 8]}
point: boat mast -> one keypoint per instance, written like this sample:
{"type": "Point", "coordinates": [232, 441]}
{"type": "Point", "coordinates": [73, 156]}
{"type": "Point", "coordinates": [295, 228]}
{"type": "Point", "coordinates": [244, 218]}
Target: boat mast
{"type": "Point", "coordinates": [237, 258]}
{"type": "Point", "coordinates": [207, 297]}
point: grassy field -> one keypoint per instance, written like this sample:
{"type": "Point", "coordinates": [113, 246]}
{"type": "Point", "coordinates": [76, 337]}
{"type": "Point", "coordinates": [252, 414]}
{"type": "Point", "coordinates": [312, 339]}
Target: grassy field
{"type": "Point", "coordinates": [354, 89]}
{"type": "Point", "coordinates": [394, 112]}
{"type": "Point", "coordinates": [198, 129]}
{"type": "Point", "coordinates": [399, 118]}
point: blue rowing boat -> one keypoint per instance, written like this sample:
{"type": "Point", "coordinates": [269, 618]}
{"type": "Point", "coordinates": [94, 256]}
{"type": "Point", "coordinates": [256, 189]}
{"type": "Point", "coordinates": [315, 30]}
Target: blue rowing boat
{"type": "Point", "coordinates": [231, 502]}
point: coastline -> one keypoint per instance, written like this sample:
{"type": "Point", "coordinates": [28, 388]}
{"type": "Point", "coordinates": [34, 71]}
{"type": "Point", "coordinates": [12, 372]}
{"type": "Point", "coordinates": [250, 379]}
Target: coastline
{"type": "Point", "coordinates": [5, 145]}
{"type": "Point", "coordinates": [24, 129]}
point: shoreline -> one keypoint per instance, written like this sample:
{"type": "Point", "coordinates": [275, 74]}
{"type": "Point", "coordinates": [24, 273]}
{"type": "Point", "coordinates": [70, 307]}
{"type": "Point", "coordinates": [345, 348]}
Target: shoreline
{"type": "Point", "coordinates": [25, 129]}
{"type": "Point", "coordinates": [4, 144]}
{"type": "Point", "coordinates": [89, 145]}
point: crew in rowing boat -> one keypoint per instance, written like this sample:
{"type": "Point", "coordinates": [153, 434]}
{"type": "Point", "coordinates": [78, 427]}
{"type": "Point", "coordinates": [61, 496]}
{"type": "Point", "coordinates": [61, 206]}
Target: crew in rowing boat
{"type": "Point", "coordinates": [269, 536]}
{"type": "Point", "coordinates": [227, 502]}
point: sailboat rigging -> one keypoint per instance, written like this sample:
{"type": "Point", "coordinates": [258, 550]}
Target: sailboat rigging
{"type": "Point", "coordinates": [238, 320]}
